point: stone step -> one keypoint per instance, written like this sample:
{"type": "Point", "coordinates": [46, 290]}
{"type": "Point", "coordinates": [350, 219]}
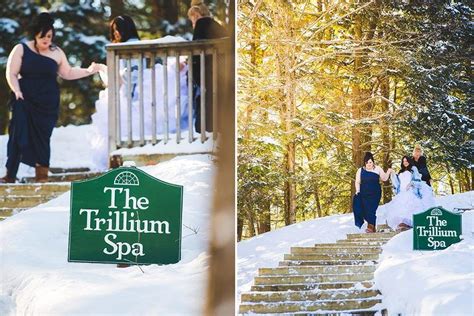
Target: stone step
{"type": "Point", "coordinates": [326, 262]}
{"type": "Point", "coordinates": [36, 188]}
{"type": "Point", "coordinates": [371, 235]}
{"type": "Point", "coordinates": [325, 256]}
{"type": "Point", "coordinates": [312, 286]}
{"type": "Point", "coordinates": [309, 306]}
{"type": "Point", "coordinates": [338, 250]}
{"type": "Point", "coordinates": [65, 177]}
{"type": "Point", "coordinates": [316, 270]}
{"type": "Point", "coordinates": [68, 170]}
{"type": "Point", "coordinates": [23, 201]}
{"type": "Point", "coordinates": [349, 245]}
{"type": "Point", "coordinates": [259, 296]}
{"type": "Point", "coordinates": [382, 226]}
{"type": "Point", "coordinates": [299, 279]}
{"type": "Point", "coordinates": [358, 243]}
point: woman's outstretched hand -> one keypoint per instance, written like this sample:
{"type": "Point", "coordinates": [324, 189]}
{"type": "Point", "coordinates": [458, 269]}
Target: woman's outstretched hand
{"type": "Point", "coordinates": [95, 68]}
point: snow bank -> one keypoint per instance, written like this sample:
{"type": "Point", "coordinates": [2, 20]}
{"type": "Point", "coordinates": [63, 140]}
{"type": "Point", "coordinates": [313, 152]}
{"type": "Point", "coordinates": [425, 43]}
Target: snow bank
{"type": "Point", "coordinates": [403, 286]}
{"type": "Point", "coordinates": [430, 282]}
{"type": "Point", "coordinates": [36, 278]}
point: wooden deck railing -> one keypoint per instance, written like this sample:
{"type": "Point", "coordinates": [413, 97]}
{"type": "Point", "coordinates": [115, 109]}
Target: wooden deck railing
{"type": "Point", "coordinates": [124, 56]}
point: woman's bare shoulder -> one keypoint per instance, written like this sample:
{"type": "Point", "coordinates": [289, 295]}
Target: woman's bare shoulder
{"type": "Point", "coordinates": [18, 48]}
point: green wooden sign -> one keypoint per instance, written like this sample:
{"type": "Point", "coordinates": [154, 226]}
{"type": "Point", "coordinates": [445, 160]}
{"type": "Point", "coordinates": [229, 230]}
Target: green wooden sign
{"type": "Point", "coordinates": [436, 229]}
{"type": "Point", "coordinates": [125, 216]}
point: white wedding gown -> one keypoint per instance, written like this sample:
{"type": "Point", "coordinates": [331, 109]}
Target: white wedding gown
{"type": "Point", "coordinates": [99, 136]}
{"type": "Point", "coordinates": [406, 203]}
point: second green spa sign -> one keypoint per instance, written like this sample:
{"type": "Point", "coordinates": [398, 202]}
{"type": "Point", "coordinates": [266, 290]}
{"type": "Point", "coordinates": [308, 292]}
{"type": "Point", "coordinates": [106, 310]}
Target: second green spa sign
{"type": "Point", "coordinates": [125, 216]}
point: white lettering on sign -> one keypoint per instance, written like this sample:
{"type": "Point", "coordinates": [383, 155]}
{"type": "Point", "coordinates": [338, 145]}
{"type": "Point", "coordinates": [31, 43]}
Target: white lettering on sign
{"type": "Point", "coordinates": [140, 203]}
{"type": "Point", "coordinates": [123, 221]}
{"type": "Point", "coordinates": [437, 221]}
{"type": "Point", "coordinates": [112, 196]}
{"type": "Point", "coordinates": [122, 248]}
{"type": "Point", "coordinates": [436, 228]}
{"type": "Point", "coordinates": [88, 217]}
{"type": "Point", "coordinates": [435, 244]}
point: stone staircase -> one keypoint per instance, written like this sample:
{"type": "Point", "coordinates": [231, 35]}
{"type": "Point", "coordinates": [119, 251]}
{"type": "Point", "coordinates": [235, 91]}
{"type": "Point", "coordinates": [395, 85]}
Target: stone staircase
{"type": "Point", "coordinates": [17, 197]}
{"type": "Point", "coordinates": [327, 279]}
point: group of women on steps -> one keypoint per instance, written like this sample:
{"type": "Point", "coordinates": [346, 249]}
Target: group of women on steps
{"type": "Point", "coordinates": [411, 186]}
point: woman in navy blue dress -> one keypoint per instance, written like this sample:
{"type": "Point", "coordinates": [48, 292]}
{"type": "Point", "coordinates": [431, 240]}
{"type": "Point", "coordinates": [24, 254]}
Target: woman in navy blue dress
{"type": "Point", "coordinates": [368, 192]}
{"type": "Point", "coordinates": [32, 70]}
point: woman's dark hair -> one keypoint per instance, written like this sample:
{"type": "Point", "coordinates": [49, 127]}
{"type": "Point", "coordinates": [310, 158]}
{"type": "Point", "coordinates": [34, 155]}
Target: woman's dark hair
{"type": "Point", "coordinates": [368, 156]}
{"type": "Point", "coordinates": [403, 168]}
{"type": "Point", "coordinates": [42, 24]}
{"type": "Point", "coordinates": [125, 26]}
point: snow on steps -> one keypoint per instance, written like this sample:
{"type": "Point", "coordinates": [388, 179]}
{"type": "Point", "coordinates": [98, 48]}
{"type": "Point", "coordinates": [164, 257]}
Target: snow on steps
{"type": "Point", "coordinates": [17, 197]}
{"type": "Point", "coordinates": [327, 279]}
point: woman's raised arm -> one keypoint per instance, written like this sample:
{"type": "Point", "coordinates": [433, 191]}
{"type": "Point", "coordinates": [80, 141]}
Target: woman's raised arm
{"type": "Point", "coordinates": [67, 72]}
{"type": "Point", "coordinates": [13, 70]}
{"type": "Point", "coordinates": [385, 175]}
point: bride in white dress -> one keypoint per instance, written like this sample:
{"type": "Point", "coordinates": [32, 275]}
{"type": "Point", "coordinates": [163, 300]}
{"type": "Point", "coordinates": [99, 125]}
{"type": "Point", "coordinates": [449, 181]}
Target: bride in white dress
{"type": "Point", "coordinates": [99, 137]}
{"type": "Point", "coordinates": [412, 196]}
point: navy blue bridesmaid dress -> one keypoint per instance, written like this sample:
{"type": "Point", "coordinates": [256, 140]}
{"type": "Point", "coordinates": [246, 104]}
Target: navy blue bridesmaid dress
{"type": "Point", "coordinates": [33, 118]}
{"type": "Point", "coordinates": [367, 201]}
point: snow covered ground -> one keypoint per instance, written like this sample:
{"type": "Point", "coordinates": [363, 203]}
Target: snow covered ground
{"type": "Point", "coordinates": [36, 278]}
{"type": "Point", "coordinates": [430, 282]}
{"type": "Point", "coordinates": [407, 284]}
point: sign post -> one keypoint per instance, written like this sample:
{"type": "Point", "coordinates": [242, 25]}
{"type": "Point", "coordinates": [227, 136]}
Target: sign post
{"type": "Point", "coordinates": [436, 229]}
{"type": "Point", "coordinates": [125, 216]}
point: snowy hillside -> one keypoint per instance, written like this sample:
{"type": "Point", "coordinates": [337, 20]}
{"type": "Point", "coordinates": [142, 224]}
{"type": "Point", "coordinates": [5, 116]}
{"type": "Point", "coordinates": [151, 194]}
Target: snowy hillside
{"type": "Point", "coordinates": [36, 278]}
{"type": "Point", "coordinates": [454, 266]}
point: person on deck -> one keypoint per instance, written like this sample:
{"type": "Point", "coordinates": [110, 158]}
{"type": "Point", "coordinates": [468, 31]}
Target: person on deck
{"type": "Point", "coordinates": [368, 192]}
{"type": "Point", "coordinates": [419, 161]}
{"type": "Point", "coordinates": [32, 70]}
{"type": "Point", "coordinates": [205, 27]}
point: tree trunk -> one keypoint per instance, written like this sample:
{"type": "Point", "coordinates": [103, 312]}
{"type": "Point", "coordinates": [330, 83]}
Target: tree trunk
{"type": "Point", "coordinates": [117, 8]}
{"type": "Point", "coordinates": [472, 178]}
{"type": "Point", "coordinates": [290, 205]}
{"type": "Point", "coordinates": [240, 226]}
{"type": "Point", "coordinates": [251, 224]}
{"type": "Point", "coordinates": [451, 183]}
{"type": "Point", "coordinates": [386, 161]}
{"type": "Point", "coordinates": [317, 199]}
{"type": "Point", "coordinates": [467, 181]}
{"type": "Point", "coordinates": [286, 57]}
{"type": "Point", "coordinates": [166, 9]}
{"type": "Point", "coordinates": [264, 219]}
{"type": "Point", "coordinates": [357, 158]}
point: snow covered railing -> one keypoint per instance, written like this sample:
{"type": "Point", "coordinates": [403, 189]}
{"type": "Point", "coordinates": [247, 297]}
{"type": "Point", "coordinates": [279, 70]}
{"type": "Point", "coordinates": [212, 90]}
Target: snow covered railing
{"type": "Point", "coordinates": [153, 102]}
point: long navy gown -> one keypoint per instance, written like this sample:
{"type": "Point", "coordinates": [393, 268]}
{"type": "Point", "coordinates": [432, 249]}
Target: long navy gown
{"type": "Point", "coordinates": [33, 118]}
{"type": "Point", "coordinates": [367, 201]}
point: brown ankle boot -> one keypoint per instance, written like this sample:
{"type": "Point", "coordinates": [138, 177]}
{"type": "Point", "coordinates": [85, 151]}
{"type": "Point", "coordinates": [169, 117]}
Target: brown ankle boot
{"type": "Point", "coordinates": [7, 179]}
{"type": "Point", "coordinates": [41, 174]}
{"type": "Point", "coordinates": [370, 228]}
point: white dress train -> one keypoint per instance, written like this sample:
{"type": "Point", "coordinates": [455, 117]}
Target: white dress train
{"type": "Point", "coordinates": [406, 202]}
